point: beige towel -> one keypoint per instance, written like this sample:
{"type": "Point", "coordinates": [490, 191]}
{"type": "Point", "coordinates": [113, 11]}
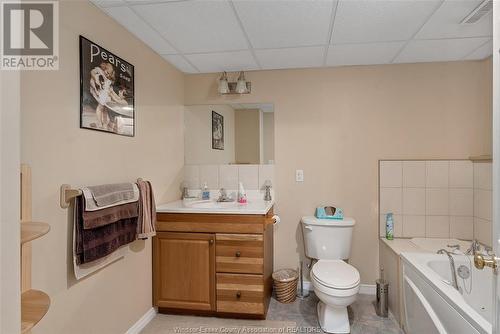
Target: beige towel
{"type": "Point", "coordinates": [108, 194]}
{"type": "Point", "coordinates": [147, 211]}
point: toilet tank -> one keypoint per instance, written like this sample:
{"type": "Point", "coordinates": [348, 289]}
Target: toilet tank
{"type": "Point", "coordinates": [327, 239]}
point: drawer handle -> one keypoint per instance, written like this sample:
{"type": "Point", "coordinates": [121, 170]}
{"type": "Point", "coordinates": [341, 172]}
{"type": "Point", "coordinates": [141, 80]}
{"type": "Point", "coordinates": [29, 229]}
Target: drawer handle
{"type": "Point", "coordinates": [238, 294]}
{"type": "Point", "coordinates": [238, 254]}
{"type": "Point", "coordinates": [211, 242]}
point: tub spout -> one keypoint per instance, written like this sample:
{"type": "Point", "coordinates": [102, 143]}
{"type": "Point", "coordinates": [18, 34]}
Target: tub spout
{"type": "Point", "coordinates": [452, 267]}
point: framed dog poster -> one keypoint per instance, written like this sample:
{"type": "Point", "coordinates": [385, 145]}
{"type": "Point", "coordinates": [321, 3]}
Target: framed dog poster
{"type": "Point", "coordinates": [106, 90]}
{"type": "Point", "coordinates": [217, 131]}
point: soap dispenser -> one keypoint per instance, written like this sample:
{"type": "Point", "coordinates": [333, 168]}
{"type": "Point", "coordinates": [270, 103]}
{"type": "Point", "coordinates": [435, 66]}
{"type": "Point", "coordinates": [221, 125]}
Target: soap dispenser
{"type": "Point", "coordinates": [205, 193]}
{"type": "Point", "coordinates": [242, 196]}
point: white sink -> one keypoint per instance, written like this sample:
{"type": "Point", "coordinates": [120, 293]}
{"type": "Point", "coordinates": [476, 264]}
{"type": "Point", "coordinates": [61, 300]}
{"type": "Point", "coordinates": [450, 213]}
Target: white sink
{"type": "Point", "coordinates": [210, 204]}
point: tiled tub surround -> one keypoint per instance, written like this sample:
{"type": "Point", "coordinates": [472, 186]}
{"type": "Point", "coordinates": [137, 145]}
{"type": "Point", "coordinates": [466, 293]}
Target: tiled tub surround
{"type": "Point", "coordinates": [436, 198]}
{"type": "Point", "coordinates": [483, 201]}
{"type": "Point", "coordinates": [253, 177]}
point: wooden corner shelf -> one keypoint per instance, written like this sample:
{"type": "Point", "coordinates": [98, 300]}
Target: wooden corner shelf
{"type": "Point", "coordinates": [34, 305]}
{"type": "Point", "coordinates": [33, 230]}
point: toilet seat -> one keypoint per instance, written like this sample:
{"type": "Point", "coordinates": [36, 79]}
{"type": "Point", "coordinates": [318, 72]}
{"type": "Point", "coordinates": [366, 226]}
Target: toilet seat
{"type": "Point", "coordinates": [335, 274]}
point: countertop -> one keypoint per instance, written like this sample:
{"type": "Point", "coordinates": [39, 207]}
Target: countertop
{"type": "Point", "coordinates": [252, 207]}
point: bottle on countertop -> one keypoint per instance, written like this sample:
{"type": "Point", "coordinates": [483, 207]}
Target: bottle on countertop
{"type": "Point", "coordinates": [242, 196]}
{"type": "Point", "coordinates": [205, 193]}
{"type": "Point", "coordinates": [389, 227]}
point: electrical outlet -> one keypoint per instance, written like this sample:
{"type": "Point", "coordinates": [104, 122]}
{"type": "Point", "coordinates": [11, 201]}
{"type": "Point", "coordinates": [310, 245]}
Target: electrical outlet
{"type": "Point", "coordinates": [299, 175]}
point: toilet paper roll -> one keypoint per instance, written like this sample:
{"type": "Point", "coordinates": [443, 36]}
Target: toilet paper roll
{"type": "Point", "coordinates": [277, 219]}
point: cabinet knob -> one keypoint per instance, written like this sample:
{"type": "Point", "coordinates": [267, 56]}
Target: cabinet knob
{"type": "Point", "coordinates": [238, 254]}
{"type": "Point", "coordinates": [211, 241]}
{"type": "Point", "coordinates": [238, 294]}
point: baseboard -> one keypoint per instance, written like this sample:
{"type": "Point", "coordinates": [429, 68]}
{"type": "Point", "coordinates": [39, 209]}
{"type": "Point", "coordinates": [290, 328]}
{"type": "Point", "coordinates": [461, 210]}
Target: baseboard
{"type": "Point", "coordinates": [364, 289]}
{"type": "Point", "coordinates": [142, 322]}
{"type": "Point", "coordinates": [368, 289]}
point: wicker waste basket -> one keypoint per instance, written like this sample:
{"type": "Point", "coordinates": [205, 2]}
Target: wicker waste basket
{"type": "Point", "coordinates": [285, 285]}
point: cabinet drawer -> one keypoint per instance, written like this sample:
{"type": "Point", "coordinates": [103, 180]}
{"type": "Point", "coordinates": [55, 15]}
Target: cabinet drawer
{"type": "Point", "coordinates": [240, 253]}
{"type": "Point", "coordinates": [238, 293]}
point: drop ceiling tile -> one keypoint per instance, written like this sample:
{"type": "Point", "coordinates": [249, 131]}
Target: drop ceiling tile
{"type": "Point", "coordinates": [107, 3]}
{"type": "Point", "coordinates": [274, 24]}
{"type": "Point", "coordinates": [126, 17]}
{"type": "Point", "coordinates": [482, 52]}
{"type": "Point", "coordinates": [445, 23]}
{"type": "Point", "coordinates": [291, 57]}
{"type": "Point", "coordinates": [376, 21]}
{"type": "Point", "coordinates": [196, 26]}
{"type": "Point", "coordinates": [224, 61]}
{"type": "Point", "coordinates": [181, 63]}
{"type": "Point", "coordinates": [362, 54]}
{"type": "Point", "coordinates": [439, 49]}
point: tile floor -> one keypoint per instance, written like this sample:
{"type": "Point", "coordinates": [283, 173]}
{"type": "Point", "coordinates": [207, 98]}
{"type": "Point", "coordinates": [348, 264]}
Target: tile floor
{"type": "Point", "coordinates": [362, 315]}
{"type": "Point", "coordinates": [297, 317]}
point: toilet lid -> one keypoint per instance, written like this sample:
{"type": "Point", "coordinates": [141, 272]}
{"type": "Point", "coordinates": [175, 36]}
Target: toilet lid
{"type": "Point", "coordinates": [336, 274]}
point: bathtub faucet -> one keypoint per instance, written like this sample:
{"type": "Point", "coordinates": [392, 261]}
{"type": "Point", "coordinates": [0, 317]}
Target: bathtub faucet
{"type": "Point", "coordinates": [452, 267]}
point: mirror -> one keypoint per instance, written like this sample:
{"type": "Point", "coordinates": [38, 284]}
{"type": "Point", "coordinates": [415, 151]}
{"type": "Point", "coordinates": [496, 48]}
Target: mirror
{"type": "Point", "coordinates": [229, 134]}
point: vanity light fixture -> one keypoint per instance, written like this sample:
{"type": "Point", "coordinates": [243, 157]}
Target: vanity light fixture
{"type": "Point", "coordinates": [241, 86]}
{"type": "Point", "coordinates": [223, 84]}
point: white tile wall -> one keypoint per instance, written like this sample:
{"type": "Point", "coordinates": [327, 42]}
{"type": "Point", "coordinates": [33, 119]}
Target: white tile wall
{"type": "Point", "coordinates": [253, 177]}
{"type": "Point", "coordinates": [436, 201]}
{"type": "Point", "coordinates": [436, 174]}
{"type": "Point", "coordinates": [249, 176]}
{"type": "Point", "coordinates": [228, 176]}
{"type": "Point", "coordinates": [210, 175]}
{"type": "Point", "coordinates": [413, 201]}
{"type": "Point", "coordinates": [437, 226]}
{"type": "Point", "coordinates": [391, 174]}
{"type": "Point", "coordinates": [461, 174]}
{"type": "Point", "coordinates": [413, 173]}
{"type": "Point", "coordinates": [432, 198]}
{"type": "Point", "coordinates": [192, 176]}
{"type": "Point", "coordinates": [483, 202]}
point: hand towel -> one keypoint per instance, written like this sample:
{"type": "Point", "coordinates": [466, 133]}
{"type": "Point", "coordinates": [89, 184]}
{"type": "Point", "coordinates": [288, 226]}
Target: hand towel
{"type": "Point", "coordinates": [98, 218]}
{"type": "Point", "coordinates": [90, 204]}
{"type": "Point", "coordinates": [147, 211]}
{"type": "Point", "coordinates": [108, 194]}
{"type": "Point", "coordinates": [96, 243]}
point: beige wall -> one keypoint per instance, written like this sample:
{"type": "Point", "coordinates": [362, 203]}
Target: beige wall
{"type": "Point", "coordinates": [10, 299]}
{"type": "Point", "coordinates": [336, 124]}
{"type": "Point", "coordinates": [247, 136]}
{"type": "Point", "coordinates": [198, 135]}
{"type": "Point", "coordinates": [114, 298]}
{"type": "Point", "coordinates": [268, 137]}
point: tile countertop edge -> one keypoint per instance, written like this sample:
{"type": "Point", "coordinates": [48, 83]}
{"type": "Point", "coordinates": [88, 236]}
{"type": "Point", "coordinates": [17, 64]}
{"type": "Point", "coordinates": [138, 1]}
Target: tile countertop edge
{"type": "Point", "coordinates": [252, 208]}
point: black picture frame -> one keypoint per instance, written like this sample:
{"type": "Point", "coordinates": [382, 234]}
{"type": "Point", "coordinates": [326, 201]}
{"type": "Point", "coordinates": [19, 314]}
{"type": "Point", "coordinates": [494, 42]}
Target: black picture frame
{"type": "Point", "coordinates": [217, 131]}
{"type": "Point", "coordinates": [107, 90]}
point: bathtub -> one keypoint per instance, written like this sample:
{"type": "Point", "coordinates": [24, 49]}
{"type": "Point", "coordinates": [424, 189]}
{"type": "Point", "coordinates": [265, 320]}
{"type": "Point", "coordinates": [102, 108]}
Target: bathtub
{"type": "Point", "coordinates": [432, 305]}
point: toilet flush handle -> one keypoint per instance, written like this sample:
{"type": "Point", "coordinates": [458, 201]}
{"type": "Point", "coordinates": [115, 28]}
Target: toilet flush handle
{"type": "Point", "coordinates": [307, 227]}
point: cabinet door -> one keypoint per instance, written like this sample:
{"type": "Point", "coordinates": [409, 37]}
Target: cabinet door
{"type": "Point", "coordinates": [184, 271]}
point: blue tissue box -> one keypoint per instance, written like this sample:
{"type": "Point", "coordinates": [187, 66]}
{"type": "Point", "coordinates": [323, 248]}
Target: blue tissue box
{"type": "Point", "coordinates": [329, 212]}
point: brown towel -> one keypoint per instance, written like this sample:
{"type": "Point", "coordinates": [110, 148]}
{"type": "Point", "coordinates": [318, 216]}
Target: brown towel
{"type": "Point", "coordinates": [147, 211]}
{"type": "Point", "coordinates": [108, 194]}
{"type": "Point", "coordinates": [93, 219]}
{"type": "Point", "coordinates": [96, 243]}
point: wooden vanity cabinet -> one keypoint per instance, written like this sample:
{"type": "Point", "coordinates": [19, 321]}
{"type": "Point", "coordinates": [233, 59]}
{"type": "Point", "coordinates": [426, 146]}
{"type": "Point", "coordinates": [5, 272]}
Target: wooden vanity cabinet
{"type": "Point", "coordinates": [184, 269]}
{"type": "Point", "coordinates": [213, 264]}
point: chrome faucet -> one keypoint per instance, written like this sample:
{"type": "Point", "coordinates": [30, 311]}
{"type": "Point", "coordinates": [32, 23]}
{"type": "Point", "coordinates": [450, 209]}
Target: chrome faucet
{"type": "Point", "coordinates": [223, 197]}
{"type": "Point", "coordinates": [267, 186]}
{"type": "Point", "coordinates": [452, 267]}
{"type": "Point", "coordinates": [474, 248]}
{"type": "Point", "coordinates": [185, 192]}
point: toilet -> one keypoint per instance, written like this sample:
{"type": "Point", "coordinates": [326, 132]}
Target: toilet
{"type": "Point", "coordinates": [335, 282]}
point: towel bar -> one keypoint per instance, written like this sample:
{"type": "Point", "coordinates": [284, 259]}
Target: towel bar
{"type": "Point", "coordinates": [67, 194]}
